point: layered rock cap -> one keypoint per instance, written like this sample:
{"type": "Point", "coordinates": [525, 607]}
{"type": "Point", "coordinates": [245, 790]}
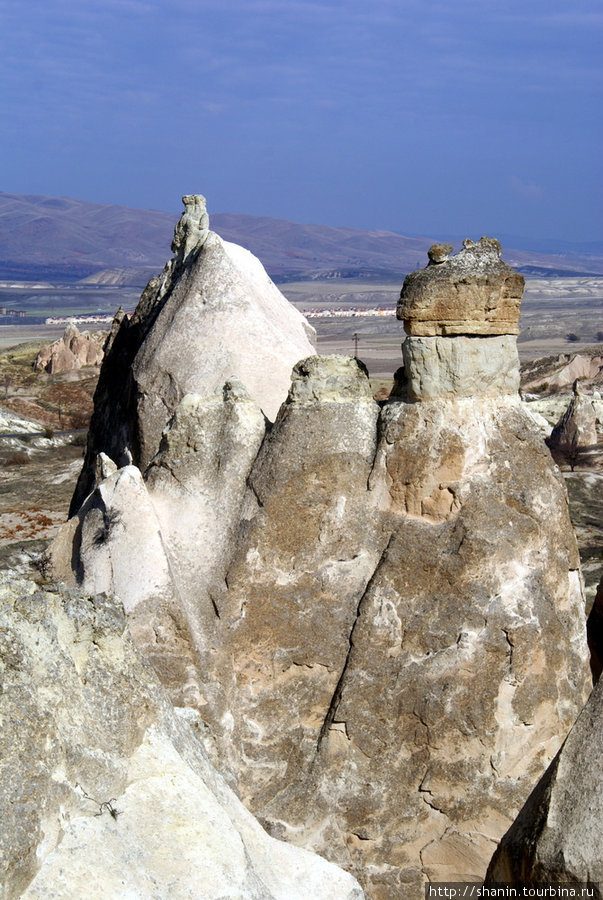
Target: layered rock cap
{"type": "Point", "coordinates": [461, 315]}
{"type": "Point", "coordinates": [473, 292]}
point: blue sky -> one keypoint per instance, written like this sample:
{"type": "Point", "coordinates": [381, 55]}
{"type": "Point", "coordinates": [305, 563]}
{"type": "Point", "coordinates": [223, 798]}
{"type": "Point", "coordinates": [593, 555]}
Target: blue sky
{"type": "Point", "coordinates": [463, 117]}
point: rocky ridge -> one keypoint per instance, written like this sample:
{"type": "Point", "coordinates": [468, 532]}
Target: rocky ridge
{"type": "Point", "coordinates": [377, 613]}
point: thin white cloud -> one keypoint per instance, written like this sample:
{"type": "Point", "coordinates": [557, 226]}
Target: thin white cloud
{"type": "Point", "coordinates": [526, 189]}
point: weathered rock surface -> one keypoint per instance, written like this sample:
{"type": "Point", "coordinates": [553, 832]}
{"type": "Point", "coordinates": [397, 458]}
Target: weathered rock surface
{"type": "Point", "coordinates": [104, 790]}
{"type": "Point", "coordinates": [377, 614]}
{"type": "Point", "coordinates": [309, 539]}
{"type": "Point", "coordinates": [473, 292]}
{"type": "Point", "coordinates": [557, 835]}
{"type": "Point", "coordinates": [460, 366]}
{"type": "Point", "coordinates": [74, 350]}
{"type": "Point", "coordinates": [175, 344]}
{"type": "Point", "coordinates": [395, 725]}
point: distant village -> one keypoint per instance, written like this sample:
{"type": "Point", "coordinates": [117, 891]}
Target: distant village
{"type": "Point", "coordinates": [340, 312]}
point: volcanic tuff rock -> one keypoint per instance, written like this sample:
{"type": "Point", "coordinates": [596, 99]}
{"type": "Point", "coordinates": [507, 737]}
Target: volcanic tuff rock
{"type": "Point", "coordinates": [72, 351]}
{"type": "Point", "coordinates": [557, 835]}
{"type": "Point", "coordinates": [104, 790]}
{"type": "Point", "coordinates": [473, 292]}
{"type": "Point", "coordinates": [210, 316]}
{"type": "Point", "coordinates": [377, 613]}
{"type": "Point", "coordinates": [461, 313]}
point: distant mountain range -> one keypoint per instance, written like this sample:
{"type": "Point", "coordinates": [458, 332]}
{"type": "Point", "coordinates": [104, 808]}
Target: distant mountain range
{"type": "Point", "coordinates": [55, 238]}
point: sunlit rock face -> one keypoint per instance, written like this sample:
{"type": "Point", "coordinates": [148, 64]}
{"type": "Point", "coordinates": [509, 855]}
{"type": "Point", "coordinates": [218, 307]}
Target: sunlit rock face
{"type": "Point", "coordinates": [377, 613]}
{"type": "Point", "coordinates": [104, 790]}
{"type": "Point", "coordinates": [557, 835]}
{"type": "Point", "coordinates": [213, 314]}
{"type": "Point", "coordinates": [472, 292]}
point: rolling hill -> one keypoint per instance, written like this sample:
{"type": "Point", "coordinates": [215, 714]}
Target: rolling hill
{"type": "Point", "coordinates": [64, 239]}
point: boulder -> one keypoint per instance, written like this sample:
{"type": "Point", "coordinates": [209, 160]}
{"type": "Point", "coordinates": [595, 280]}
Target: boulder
{"type": "Point", "coordinates": [557, 835]}
{"type": "Point", "coordinates": [473, 292]}
{"type": "Point", "coordinates": [104, 790]}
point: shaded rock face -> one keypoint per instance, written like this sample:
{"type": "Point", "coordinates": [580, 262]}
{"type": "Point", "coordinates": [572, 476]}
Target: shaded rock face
{"type": "Point", "coordinates": [557, 835]}
{"type": "Point", "coordinates": [377, 613]}
{"type": "Point", "coordinates": [174, 344]}
{"type": "Point", "coordinates": [594, 631]}
{"type": "Point", "coordinates": [105, 791]}
{"type": "Point", "coordinates": [74, 350]}
{"type": "Point", "coordinates": [474, 292]}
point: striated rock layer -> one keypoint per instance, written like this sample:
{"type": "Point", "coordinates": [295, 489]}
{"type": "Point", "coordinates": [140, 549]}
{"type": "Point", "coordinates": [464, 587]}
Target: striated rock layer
{"type": "Point", "coordinates": [473, 292]}
{"type": "Point", "coordinates": [377, 613]}
{"type": "Point", "coordinates": [104, 790]}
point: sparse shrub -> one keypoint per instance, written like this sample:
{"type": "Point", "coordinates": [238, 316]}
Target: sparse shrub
{"type": "Point", "coordinates": [599, 336]}
{"type": "Point", "coordinates": [572, 337]}
{"type": "Point", "coordinates": [49, 432]}
{"type": "Point", "coordinates": [80, 439]}
{"type": "Point", "coordinates": [16, 459]}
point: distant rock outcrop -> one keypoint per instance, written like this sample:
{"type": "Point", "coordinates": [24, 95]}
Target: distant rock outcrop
{"type": "Point", "coordinates": [577, 427]}
{"type": "Point", "coordinates": [74, 350]}
{"type": "Point", "coordinates": [377, 613]}
{"type": "Point", "coordinates": [557, 835]}
{"type": "Point", "coordinates": [104, 790]}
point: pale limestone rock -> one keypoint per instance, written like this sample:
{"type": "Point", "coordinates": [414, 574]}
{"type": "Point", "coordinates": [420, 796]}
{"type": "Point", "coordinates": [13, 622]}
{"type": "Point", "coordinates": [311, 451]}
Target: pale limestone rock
{"type": "Point", "coordinates": [74, 350]}
{"type": "Point", "coordinates": [557, 835]}
{"type": "Point", "coordinates": [471, 293]}
{"type": "Point", "coordinates": [104, 791]}
{"type": "Point", "coordinates": [175, 344]}
{"type": "Point", "coordinates": [578, 366]}
{"type": "Point", "coordinates": [227, 292]}
{"type": "Point", "coordinates": [460, 366]}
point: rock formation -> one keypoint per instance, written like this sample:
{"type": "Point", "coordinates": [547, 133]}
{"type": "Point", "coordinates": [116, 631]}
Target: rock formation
{"type": "Point", "coordinates": [104, 790]}
{"type": "Point", "coordinates": [378, 614]}
{"type": "Point", "coordinates": [74, 350]}
{"type": "Point", "coordinates": [577, 427]}
{"type": "Point", "coordinates": [209, 317]}
{"type": "Point", "coordinates": [557, 835]}
{"type": "Point", "coordinates": [473, 292]}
